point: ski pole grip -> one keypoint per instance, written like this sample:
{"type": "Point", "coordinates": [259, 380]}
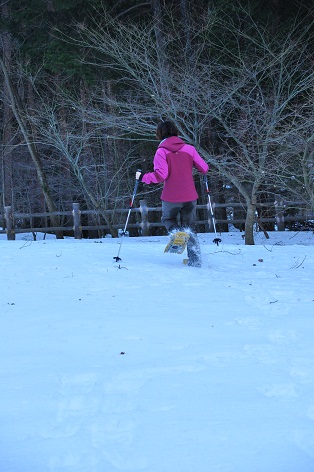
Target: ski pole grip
{"type": "Point", "coordinates": [138, 174]}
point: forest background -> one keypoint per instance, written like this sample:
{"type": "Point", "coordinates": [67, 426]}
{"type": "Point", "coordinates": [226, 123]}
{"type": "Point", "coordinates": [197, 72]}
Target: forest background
{"type": "Point", "coordinates": [85, 83]}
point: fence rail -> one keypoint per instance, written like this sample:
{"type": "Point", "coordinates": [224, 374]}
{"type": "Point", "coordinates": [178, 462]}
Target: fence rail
{"type": "Point", "coordinates": [14, 222]}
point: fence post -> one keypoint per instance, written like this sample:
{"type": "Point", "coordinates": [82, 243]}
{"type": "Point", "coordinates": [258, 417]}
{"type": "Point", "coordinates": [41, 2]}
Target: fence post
{"type": "Point", "coordinates": [9, 223]}
{"type": "Point", "coordinates": [144, 216]}
{"type": "Point", "coordinates": [279, 210]}
{"type": "Point", "coordinates": [77, 227]}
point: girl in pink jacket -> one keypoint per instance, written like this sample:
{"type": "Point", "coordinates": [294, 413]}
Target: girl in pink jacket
{"type": "Point", "coordinates": [173, 164]}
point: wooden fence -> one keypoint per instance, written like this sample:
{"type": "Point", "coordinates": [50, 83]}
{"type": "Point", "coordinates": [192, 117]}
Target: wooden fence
{"type": "Point", "coordinates": [15, 222]}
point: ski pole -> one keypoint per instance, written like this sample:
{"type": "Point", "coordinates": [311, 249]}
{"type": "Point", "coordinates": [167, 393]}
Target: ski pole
{"type": "Point", "coordinates": [210, 208]}
{"type": "Point", "coordinates": [117, 258]}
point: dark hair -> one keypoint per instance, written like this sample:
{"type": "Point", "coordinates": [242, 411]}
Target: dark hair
{"type": "Point", "coordinates": [166, 129]}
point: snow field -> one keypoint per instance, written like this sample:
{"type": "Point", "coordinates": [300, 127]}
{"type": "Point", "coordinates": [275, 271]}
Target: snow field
{"type": "Point", "coordinates": [150, 365]}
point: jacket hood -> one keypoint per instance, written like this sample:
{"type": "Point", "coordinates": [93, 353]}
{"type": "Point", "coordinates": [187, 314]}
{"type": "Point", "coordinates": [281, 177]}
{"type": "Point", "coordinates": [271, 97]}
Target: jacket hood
{"type": "Point", "coordinates": [173, 143]}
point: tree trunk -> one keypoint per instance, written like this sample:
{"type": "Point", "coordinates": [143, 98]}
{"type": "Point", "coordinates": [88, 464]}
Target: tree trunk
{"type": "Point", "coordinates": [157, 8]}
{"type": "Point", "coordinates": [249, 223]}
{"type": "Point", "coordinates": [186, 26]}
{"type": "Point", "coordinates": [7, 181]}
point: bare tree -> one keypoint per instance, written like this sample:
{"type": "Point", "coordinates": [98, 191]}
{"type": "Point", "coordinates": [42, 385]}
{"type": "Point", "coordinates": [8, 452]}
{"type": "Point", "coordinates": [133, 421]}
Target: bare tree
{"type": "Point", "coordinates": [237, 80]}
{"type": "Point", "coordinates": [22, 117]}
{"type": "Point", "coordinates": [234, 92]}
{"type": "Point", "coordinates": [98, 165]}
{"type": "Point", "coordinates": [295, 163]}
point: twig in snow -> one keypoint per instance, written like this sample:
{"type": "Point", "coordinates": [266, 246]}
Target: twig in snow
{"type": "Point", "coordinates": [27, 243]}
{"type": "Point", "coordinates": [296, 265]}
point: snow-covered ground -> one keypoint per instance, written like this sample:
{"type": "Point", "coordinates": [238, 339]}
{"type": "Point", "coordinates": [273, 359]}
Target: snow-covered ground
{"type": "Point", "coordinates": [150, 365]}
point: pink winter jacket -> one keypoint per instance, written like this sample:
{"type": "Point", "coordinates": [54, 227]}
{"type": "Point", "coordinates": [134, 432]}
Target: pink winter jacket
{"type": "Point", "coordinates": [173, 164]}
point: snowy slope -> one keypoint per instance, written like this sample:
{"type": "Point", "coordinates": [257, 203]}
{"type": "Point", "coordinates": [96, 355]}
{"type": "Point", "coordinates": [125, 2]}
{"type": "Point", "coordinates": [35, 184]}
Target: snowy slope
{"type": "Point", "coordinates": [150, 365]}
